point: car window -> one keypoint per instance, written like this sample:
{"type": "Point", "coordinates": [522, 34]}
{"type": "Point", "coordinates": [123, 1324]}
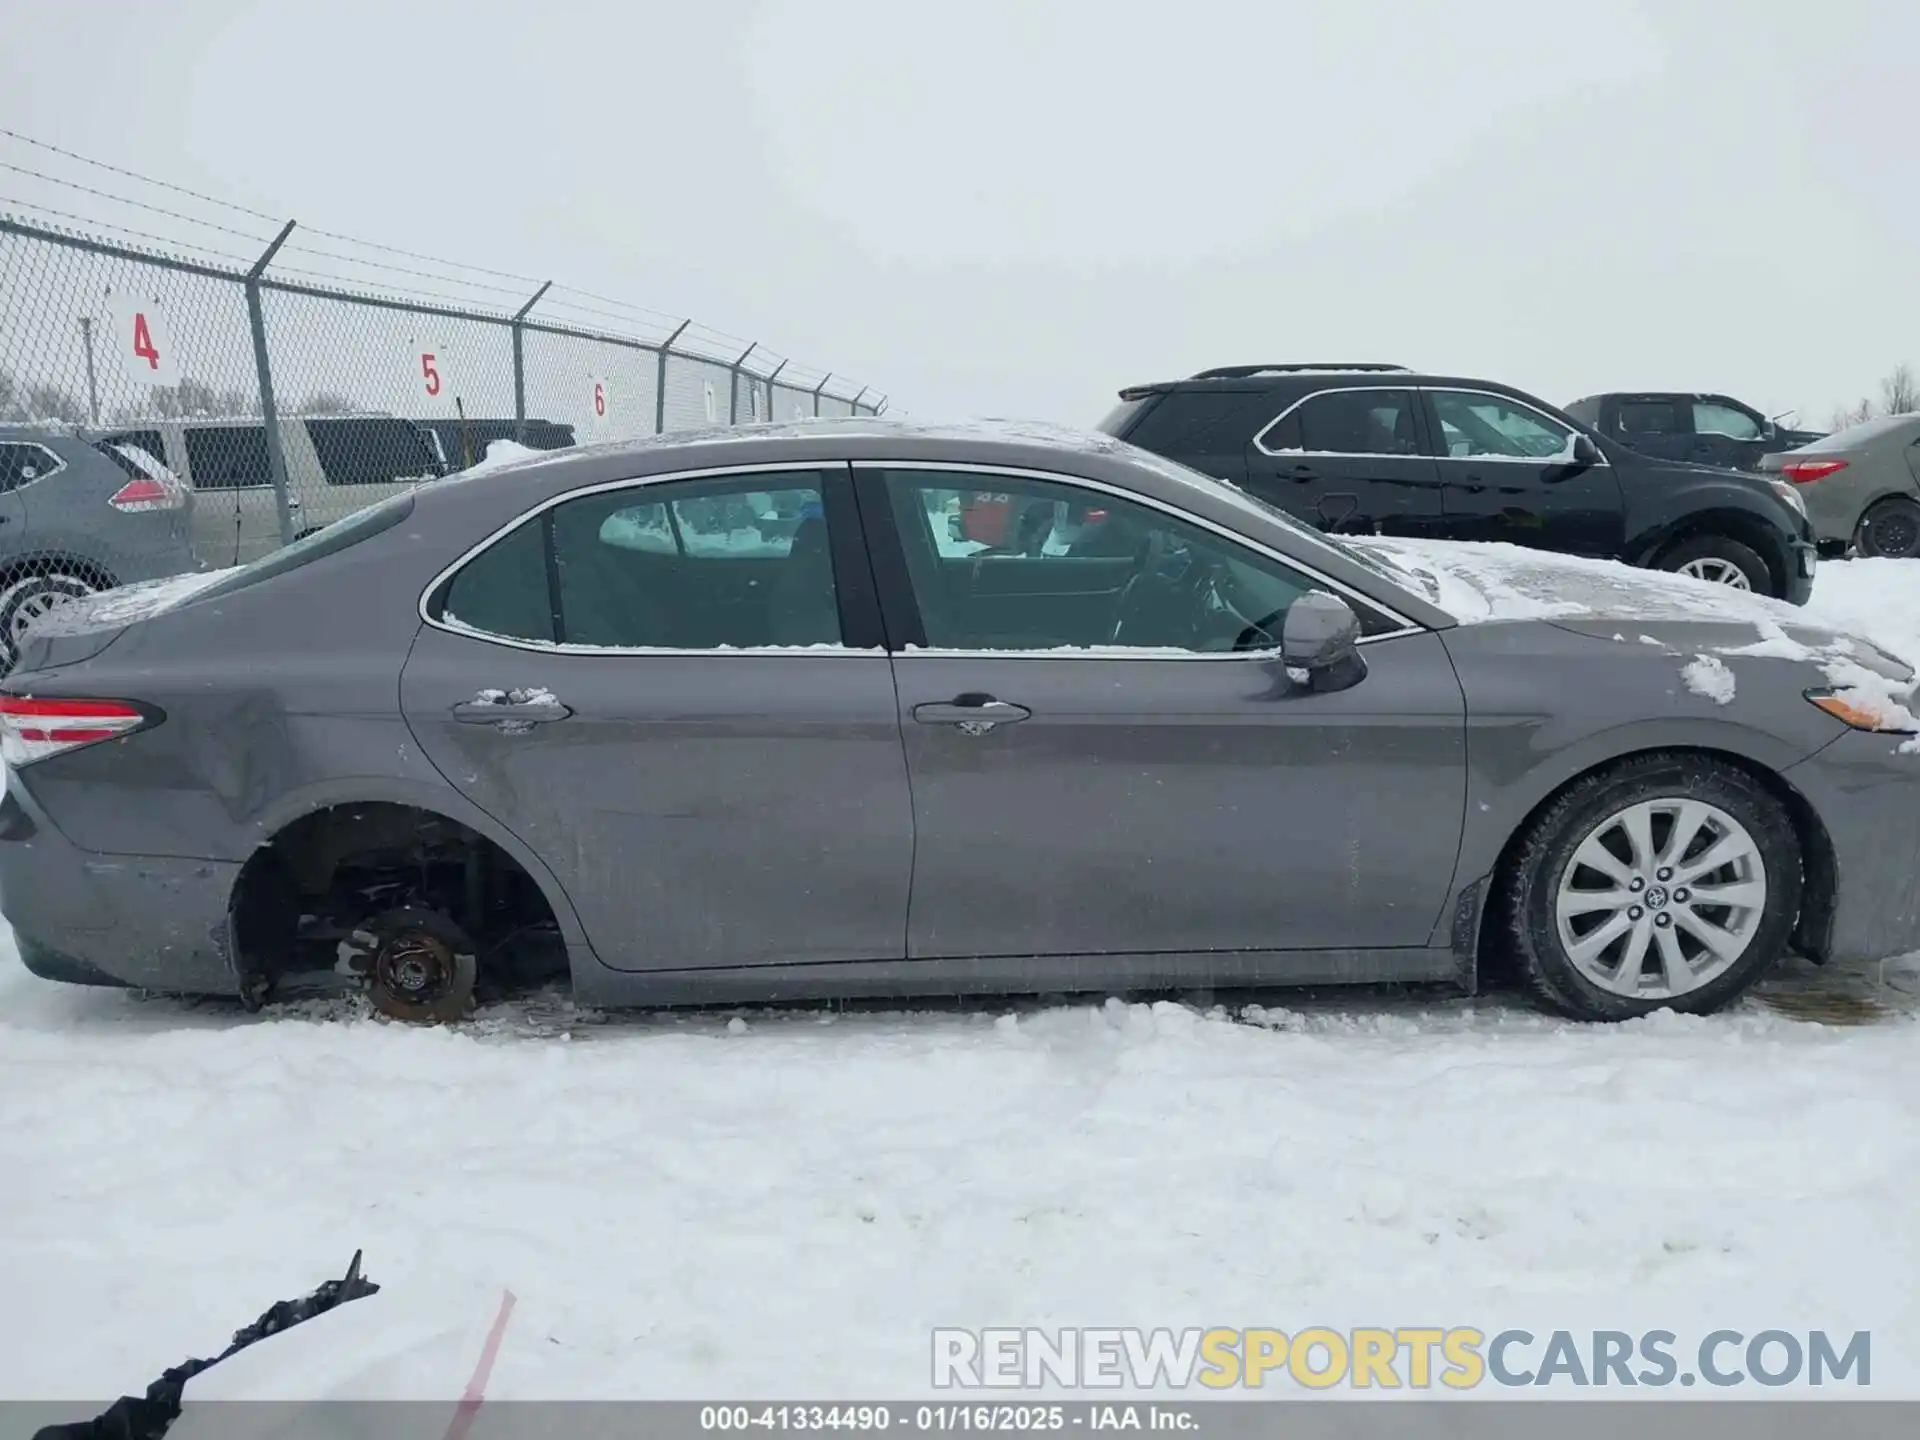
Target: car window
{"type": "Point", "coordinates": [1650, 417]}
{"type": "Point", "coordinates": [1045, 565]}
{"type": "Point", "coordinates": [22, 464]}
{"type": "Point", "coordinates": [148, 441]}
{"type": "Point", "coordinates": [1712, 419]}
{"type": "Point", "coordinates": [371, 451]}
{"type": "Point", "coordinates": [329, 540]}
{"type": "Point", "coordinates": [1349, 422]}
{"type": "Point", "coordinates": [228, 457]}
{"type": "Point", "coordinates": [1473, 424]}
{"type": "Point", "coordinates": [741, 563]}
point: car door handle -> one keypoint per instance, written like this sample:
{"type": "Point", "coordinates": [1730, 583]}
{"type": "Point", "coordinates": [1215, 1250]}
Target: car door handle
{"type": "Point", "coordinates": [510, 714]}
{"type": "Point", "coordinates": [973, 714]}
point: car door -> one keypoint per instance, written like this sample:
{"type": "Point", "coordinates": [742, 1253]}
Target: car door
{"type": "Point", "coordinates": [1352, 461]}
{"type": "Point", "coordinates": [1510, 474]}
{"type": "Point", "coordinates": [1726, 434]}
{"type": "Point", "coordinates": [690, 721]}
{"type": "Point", "coordinates": [1112, 778]}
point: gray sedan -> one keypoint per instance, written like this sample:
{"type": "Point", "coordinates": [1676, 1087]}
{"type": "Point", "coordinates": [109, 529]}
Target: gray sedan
{"type": "Point", "coordinates": [1861, 485]}
{"type": "Point", "coordinates": [759, 714]}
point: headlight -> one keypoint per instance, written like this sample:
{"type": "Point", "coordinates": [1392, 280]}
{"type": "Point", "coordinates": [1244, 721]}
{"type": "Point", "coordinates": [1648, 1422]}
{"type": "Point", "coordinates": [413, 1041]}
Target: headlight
{"type": "Point", "coordinates": [1789, 494]}
{"type": "Point", "coordinates": [1864, 710]}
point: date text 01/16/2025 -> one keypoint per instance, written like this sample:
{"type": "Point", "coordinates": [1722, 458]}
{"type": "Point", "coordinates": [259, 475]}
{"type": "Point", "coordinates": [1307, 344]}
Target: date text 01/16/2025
{"type": "Point", "coordinates": [880, 1418]}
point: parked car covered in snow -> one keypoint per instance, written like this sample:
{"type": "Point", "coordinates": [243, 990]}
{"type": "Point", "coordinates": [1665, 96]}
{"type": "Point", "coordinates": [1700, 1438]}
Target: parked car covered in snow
{"type": "Point", "coordinates": [1861, 485]}
{"type": "Point", "coordinates": [535, 717]}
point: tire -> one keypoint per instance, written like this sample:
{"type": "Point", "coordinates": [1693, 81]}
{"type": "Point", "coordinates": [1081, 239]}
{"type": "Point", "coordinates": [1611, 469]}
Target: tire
{"type": "Point", "coordinates": [1890, 529]}
{"type": "Point", "coordinates": [1556, 858]}
{"type": "Point", "coordinates": [27, 600]}
{"type": "Point", "coordinates": [420, 966]}
{"type": "Point", "coordinates": [1717, 559]}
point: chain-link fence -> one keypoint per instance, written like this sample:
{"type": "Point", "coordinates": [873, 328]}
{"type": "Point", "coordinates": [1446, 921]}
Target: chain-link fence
{"type": "Point", "coordinates": [161, 414]}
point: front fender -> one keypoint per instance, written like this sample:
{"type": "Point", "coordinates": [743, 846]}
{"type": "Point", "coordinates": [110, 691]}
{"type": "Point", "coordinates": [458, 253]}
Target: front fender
{"type": "Point", "coordinates": [1546, 705]}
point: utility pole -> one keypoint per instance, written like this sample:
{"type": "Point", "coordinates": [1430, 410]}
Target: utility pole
{"type": "Point", "coordinates": [93, 384]}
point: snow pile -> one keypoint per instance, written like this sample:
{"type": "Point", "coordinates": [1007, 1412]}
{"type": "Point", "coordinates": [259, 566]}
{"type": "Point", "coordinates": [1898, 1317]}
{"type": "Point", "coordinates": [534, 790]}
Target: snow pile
{"type": "Point", "coordinates": [111, 609]}
{"type": "Point", "coordinates": [688, 1207]}
{"type": "Point", "coordinates": [1708, 675]}
{"type": "Point", "coordinates": [502, 453]}
{"type": "Point", "coordinates": [1479, 581]}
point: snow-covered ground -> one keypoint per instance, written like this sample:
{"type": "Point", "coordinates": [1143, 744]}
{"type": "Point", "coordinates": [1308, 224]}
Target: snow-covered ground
{"type": "Point", "coordinates": [786, 1202]}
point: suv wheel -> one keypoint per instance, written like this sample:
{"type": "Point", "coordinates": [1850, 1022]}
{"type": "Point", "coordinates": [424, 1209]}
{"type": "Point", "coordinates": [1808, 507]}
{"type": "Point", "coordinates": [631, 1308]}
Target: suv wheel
{"type": "Point", "coordinates": [1891, 529]}
{"type": "Point", "coordinates": [25, 602]}
{"type": "Point", "coordinates": [1719, 561]}
{"type": "Point", "coordinates": [1664, 881]}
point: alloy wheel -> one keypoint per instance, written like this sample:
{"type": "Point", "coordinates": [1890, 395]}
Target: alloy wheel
{"type": "Point", "coordinates": [1661, 898]}
{"type": "Point", "coordinates": [1717, 572]}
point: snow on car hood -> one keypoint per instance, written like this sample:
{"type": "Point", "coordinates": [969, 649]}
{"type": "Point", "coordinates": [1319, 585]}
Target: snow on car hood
{"type": "Point", "coordinates": [1474, 582]}
{"type": "Point", "coordinates": [1489, 582]}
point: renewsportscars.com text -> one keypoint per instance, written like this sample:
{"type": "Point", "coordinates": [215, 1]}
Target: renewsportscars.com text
{"type": "Point", "coordinates": [1456, 1358]}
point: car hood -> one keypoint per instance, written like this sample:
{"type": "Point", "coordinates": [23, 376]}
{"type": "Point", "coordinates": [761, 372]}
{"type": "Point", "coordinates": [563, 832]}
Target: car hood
{"type": "Point", "coordinates": [1670, 614]}
{"type": "Point", "coordinates": [1475, 582]}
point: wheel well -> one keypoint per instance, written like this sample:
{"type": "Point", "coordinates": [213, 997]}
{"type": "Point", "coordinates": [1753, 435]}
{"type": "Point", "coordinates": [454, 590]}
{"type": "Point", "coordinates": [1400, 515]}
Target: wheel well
{"type": "Point", "coordinates": [324, 875]}
{"type": "Point", "coordinates": [91, 571]}
{"type": "Point", "coordinates": [1819, 868]}
{"type": "Point", "coordinates": [1749, 530]}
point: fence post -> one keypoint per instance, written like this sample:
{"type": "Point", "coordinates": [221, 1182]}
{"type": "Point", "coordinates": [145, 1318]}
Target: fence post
{"type": "Point", "coordinates": [770, 382]}
{"type": "Point", "coordinates": [520, 365]}
{"type": "Point", "coordinates": [880, 407]}
{"type": "Point", "coordinates": [269, 411]}
{"type": "Point", "coordinates": [660, 382]}
{"type": "Point", "coordinates": [816, 393]}
{"type": "Point", "coordinates": [93, 383]}
{"type": "Point", "coordinates": [854, 407]}
{"type": "Point", "coordinates": [733, 384]}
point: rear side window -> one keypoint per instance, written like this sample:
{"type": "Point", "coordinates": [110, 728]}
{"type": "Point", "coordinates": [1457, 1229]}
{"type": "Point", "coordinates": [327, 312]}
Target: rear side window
{"type": "Point", "coordinates": [1349, 422]}
{"type": "Point", "coordinates": [342, 534]}
{"type": "Point", "coordinates": [148, 441]}
{"type": "Point", "coordinates": [1652, 417]}
{"type": "Point", "coordinates": [22, 464]}
{"type": "Point", "coordinates": [371, 451]}
{"type": "Point", "coordinates": [741, 563]}
{"type": "Point", "coordinates": [228, 457]}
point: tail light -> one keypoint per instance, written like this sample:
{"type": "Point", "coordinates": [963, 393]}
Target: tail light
{"type": "Point", "coordinates": [1802, 471]}
{"type": "Point", "coordinates": [32, 729]}
{"type": "Point", "coordinates": [148, 493]}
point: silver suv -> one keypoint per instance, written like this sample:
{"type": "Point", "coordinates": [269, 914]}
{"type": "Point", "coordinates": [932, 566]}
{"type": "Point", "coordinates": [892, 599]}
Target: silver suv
{"type": "Point", "coordinates": [81, 511]}
{"type": "Point", "coordinates": [336, 464]}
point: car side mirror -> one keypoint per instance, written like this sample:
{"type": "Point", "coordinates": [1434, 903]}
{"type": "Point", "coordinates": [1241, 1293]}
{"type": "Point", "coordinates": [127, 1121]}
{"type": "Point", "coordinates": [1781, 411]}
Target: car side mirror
{"type": "Point", "coordinates": [1321, 640]}
{"type": "Point", "coordinates": [1585, 452]}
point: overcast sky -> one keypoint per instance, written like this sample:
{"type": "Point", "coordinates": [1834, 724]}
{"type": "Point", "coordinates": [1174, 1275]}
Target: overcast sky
{"type": "Point", "coordinates": [1016, 206]}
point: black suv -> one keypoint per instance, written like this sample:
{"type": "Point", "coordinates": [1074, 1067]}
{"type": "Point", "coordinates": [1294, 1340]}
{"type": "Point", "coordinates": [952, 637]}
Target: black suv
{"type": "Point", "coordinates": [1380, 449]}
{"type": "Point", "coordinates": [1671, 425]}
